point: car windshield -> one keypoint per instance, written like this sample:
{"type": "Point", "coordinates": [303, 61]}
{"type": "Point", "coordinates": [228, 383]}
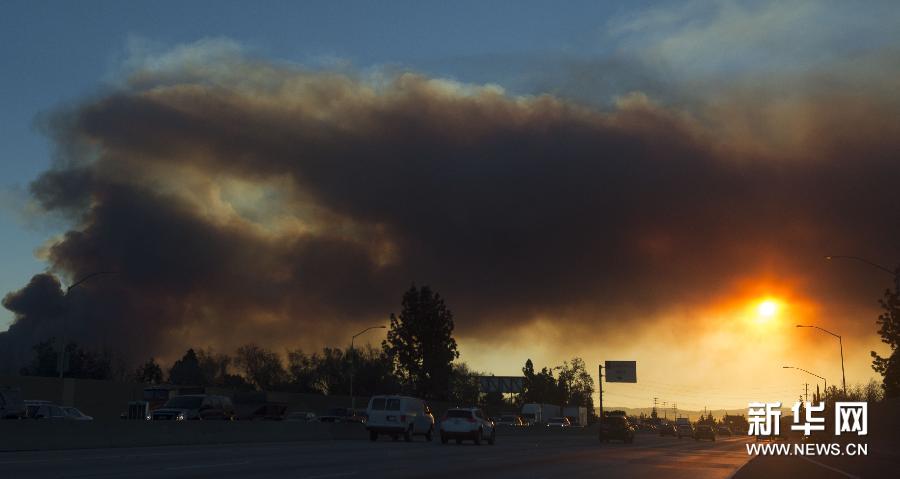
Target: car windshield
{"type": "Point", "coordinates": [392, 405]}
{"type": "Point", "coordinates": [72, 412]}
{"type": "Point", "coordinates": [378, 404]}
{"type": "Point", "coordinates": [459, 413]}
{"type": "Point", "coordinates": [185, 402]}
{"type": "Point", "coordinates": [151, 394]}
{"type": "Point", "coordinates": [508, 419]}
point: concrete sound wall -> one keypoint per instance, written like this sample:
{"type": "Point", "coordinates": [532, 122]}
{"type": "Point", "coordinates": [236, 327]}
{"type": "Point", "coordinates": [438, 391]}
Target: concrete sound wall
{"type": "Point", "coordinates": [108, 399]}
{"type": "Point", "coordinates": [25, 435]}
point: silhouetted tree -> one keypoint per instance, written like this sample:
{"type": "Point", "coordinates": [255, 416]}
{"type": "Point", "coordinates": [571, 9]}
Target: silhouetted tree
{"type": "Point", "coordinates": [301, 372]}
{"type": "Point", "coordinates": [374, 373]}
{"type": "Point", "coordinates": [45, 361]}
{"type": "Point", "coordinates": [88, 364]}
{"type": "Point", "coordinates": [889, 329]}
{"type": "Point", "coordinates": [80, 363]}
{"type": "Point", "coordinates": [236, 382]}
{"type": "Point", "coordinates": [577, 384]}
{"type": "Point", "coordinates": [328, 372]}
{"type": "Point", "coordinates": [186, 371]}
{"type": "Point", "coordinates": [149, 372]}
{"type": "Point", "coordinates": [213, 366]}
{"type": "Point", "coordinates": [464, 387]}
{"type": "Point", "coordinates": [420, 343]}
{"type": "Point", "coordinates": [542, 386]}
{"type": "Point", "coordinates": [262, 367]}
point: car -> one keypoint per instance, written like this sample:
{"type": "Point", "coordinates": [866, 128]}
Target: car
{"type": "Point", "coordinates": [195, 407]}
{"type": "Point", "coordinates": [461, 424]}
{"type": "Point", "coordinates": [11, 404]}
{"type": "Point", "coordinates": [75, 414]}
{"type": "Point", "coordinates": [559, 422]}
{"type": "Point", "coordinates": [724, 431]}
{"type": "Point", "coordinates": [704, 431]}
{"type": "Point", "coordinates": [43, 410]}
{"type": "Point", "coordinates": [509, 420]}
{"type": "Point", "coordinates": [668, 429]}
{"type": "Point", "coordinates": [616, 428]}
{"type": "Point", "coordinates": [399, 415]}
{"type": "Point", "coordinates": [342, 414]}
{"type": "Point", "coordinates": [684, 430]}
{"type": "Point", "coordinates": [301, 416]}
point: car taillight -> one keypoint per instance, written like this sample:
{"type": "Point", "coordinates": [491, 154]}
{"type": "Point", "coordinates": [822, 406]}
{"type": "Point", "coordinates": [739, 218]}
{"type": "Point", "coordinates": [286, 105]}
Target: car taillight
{"type": "Point", "coordinates": [471, 419]}
{"type": "Point", "coordinates": [403, 418]}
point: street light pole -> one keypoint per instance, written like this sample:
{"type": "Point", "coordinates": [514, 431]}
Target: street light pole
{"type": "Point", "coordinates": [841, 343]}
{"type": "Point", "coordinates": [814, 374]}
{"type": "Point", "coordinates": [353, 363]}
{"type": "Point", "coordinates": [62, 350]}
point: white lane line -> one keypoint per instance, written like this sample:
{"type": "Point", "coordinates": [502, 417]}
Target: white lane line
{"type": "Point", "coordinates": [826, 466]}
{"type": "Point", "coordinates": [335, 474]}
{"type": "Point", "coordinates": [199, 466]}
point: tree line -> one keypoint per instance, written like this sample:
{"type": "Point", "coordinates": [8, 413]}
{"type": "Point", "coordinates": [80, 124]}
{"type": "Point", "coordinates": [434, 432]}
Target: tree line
{"type": "Point", "coordinates": [418, 357]}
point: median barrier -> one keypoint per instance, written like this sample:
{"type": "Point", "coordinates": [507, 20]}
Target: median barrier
{"type": "Point", "coordinates": [23, 435]}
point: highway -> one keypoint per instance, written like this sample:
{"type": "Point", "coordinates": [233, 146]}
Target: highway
{"type": "Point", "coordinates": [882, 461]}
{"type": "Point", "coordinates": [514, 456]}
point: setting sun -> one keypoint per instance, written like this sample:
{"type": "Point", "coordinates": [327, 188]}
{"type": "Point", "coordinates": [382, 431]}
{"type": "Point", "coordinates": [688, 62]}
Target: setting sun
{"type": "Point", "coordinates": [767, 309]}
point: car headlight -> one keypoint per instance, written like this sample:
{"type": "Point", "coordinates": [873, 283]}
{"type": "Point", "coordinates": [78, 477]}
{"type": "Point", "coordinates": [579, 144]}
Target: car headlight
{"type": "Point", "coordinates": [149, 417]}
{"type": "Point", "coordinates": [180, 417]}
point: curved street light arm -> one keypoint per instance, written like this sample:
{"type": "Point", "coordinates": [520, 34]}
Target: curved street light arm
{"type": "Point", "coordinates": [92, 275]}
{"type": "Point", "coordinates": [820, 329]}
{"type": "Point", "coordinates": [870, 263]}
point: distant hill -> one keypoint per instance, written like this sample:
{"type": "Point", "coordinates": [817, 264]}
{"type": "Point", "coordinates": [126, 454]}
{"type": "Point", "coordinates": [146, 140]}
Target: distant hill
{"type": "Point", "coordinates": [690, 414]}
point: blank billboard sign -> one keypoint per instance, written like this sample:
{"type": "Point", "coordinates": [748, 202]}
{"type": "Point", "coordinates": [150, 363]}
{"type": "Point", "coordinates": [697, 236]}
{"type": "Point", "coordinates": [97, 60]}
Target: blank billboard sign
{"type": "Point", "coordinates": [621, 371]}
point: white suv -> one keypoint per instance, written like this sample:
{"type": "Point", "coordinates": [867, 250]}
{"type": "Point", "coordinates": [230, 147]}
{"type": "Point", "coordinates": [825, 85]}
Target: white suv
{"type": "Point", "coordinates": [467, 424]}
{"type": "Point", "coordinates": [399, 415]}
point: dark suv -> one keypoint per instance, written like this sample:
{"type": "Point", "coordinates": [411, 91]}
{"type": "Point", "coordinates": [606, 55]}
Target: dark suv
{"type": "Point", "coordinates": [195, 406]}
{"type": "Point", "coordinates": [704, 431]}
{"type": "Point", "coordinates": [616, 427]}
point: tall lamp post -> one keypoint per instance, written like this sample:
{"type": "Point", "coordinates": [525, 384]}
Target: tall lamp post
{"type": "Point", "coordinates": [62, 351]}
{"type": "Point", "coordinates": [813, 374]}
{"type": "Point", "coordinates": [841, 343]}
{"type": "Point", "coordinates": [353, 362]}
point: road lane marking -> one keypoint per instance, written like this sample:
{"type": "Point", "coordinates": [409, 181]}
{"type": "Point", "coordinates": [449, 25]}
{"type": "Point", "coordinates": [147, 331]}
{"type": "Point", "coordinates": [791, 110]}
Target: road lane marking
{"type": "Point", "coordinates": [199, 466]}
{"type": "Point", "coordinates": [826, 466]}
{"type": "Point", "coordinates": [334, 474]}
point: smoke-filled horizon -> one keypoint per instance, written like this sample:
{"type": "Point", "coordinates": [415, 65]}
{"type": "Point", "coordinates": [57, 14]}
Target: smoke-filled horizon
{"type": "Point", "coordinates": [246, 200]}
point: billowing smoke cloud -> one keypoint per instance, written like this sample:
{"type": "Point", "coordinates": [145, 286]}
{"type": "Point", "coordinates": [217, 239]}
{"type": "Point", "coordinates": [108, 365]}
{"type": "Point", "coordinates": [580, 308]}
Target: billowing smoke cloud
{"type": "Point", "coordinates": [241, 200]}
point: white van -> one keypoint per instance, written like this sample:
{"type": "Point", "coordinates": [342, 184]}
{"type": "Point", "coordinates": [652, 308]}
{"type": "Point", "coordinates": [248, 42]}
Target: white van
{"type": "Point", "coordinates": [399, 415]}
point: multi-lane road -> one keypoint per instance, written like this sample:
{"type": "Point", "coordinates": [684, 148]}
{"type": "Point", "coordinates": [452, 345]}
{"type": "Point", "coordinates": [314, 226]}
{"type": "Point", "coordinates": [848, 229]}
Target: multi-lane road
{"type": "Point", "coordinates": [516, 456]}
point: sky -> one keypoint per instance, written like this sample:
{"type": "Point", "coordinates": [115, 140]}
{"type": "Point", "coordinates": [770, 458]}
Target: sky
{"type": "Point", "coordinates": [615, 180]}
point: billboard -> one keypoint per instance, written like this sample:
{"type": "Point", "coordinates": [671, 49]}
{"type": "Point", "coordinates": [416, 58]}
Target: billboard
{"type": "Point", "coordinates": [501, 384]}
{"type": "Point", "coordinates": [621, 371]}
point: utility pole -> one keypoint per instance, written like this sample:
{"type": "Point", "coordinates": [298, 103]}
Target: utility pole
{"type": "Point", "coordinates": [600, 388]}
{"type": "Point", "coordinates": [806, 391]}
